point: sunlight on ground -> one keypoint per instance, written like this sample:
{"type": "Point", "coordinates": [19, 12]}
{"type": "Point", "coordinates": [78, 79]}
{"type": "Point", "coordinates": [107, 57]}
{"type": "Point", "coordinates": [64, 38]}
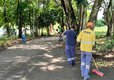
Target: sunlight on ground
{"type": "Point", "coordinates": [53, 67]}
{"type": "Point", "coordinates": [48, 55]}
{"type": "Point", "coordinates": [50, 68]}
{"type": "Point", "coordinates": [50, 65]}
{"type": "Point", "coordinates": [29, 47]}
{"type": "Point", "coordinates": [104, 63]}
{"type": "Point", "coordinates": [109, 56]}
{"type": "Point", "coordinates": [45, 47]}
{"type": "Point", "coordinates": [46, 66]}
{"type": "Point", "coordinates": [59, 59]}
{"type": "Point", "coordinates": [20, 59]}
{"type": "Point", "coordinates": [41, 64]}
{"type": "Point", "coordinates": [47, 39]}
{"type": "Point", "coordinates": [24, 78]}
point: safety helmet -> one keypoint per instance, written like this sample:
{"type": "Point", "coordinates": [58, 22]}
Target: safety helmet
{"type": "Point", "coordinates": [90, 25]}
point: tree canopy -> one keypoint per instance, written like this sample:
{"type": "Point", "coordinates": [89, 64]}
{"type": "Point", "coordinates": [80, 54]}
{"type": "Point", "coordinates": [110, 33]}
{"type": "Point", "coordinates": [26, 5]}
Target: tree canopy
{"type": "Point", "coordinates": [37, 14]}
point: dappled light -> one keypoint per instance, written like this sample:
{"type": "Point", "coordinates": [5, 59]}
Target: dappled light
{"type": "Point", "coordinates": [41, 64]}
{"type": "Point", "coordinates": [45, 47]}
{"type": "Point", "coordinates": [51, 68]}
{"type": "Point", "coordinates": [57, 60]}
{"type": "Point", "coordinates": [43, 58]}
{"type": "Point", "coordinates": [46, 39]}
{"type": "Point", "coordinates": [109, 56]}
{"type": "Point", "coordinates": [104, 60]}
{"type": "Point", "coordinates": [29, 47]}
{"type": "Point", "coordinates": [105, 63]}
{"type": "Point", "coordinates": [21, 59]}
{"type": "Point", "coordinates": [54, 67]}
{"type": "Point", "coordinates": [51, 64]}
{"type": "Point", "coordinates": [48, 55]}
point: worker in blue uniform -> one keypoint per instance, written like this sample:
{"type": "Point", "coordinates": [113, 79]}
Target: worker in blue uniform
{"type": "Point", "coordinates": [70, 45]}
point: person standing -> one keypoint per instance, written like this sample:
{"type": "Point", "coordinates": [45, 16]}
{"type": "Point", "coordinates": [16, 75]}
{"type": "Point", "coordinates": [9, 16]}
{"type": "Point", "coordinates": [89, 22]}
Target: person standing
{"type": "Point", "coordinates": [23, 35]}
{"type": "Point", "coordinates": [87, 40]}
{"type": "Point", "coordinates": [70, 45]}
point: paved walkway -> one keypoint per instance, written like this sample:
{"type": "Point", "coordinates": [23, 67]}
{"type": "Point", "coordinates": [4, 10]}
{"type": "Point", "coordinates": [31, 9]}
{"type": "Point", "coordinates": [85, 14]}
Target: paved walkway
{"type": "Point", "coordinates": [41, 59]}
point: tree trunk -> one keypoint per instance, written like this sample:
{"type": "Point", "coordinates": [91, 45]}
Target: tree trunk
{"type": "Point", "coordinates": [33, 22]}
{"type": "Point", "coordinates": [19, 20]}
{"type": "Point", "coordinates": [36, 20]}
{"type": "Point", "coordinates": [48, 33]}
{"type": "Point", "coordinates": [66, 12]}
{"type": "Point", "coordinates": [81, 16]}
{"type": "Point", "coordinates": [30, 23]}
{"type": "Point", "coordinates": [42, 34]}
{"type": "Point", "coordinates": [108, 18]}
{"type": "Point", "coordinates": [5, 19]}
{"type": "Point", "coordinates": [109, 29]}
{"type": "Point", "coordinates": [69, 11]}
{"type": "Point", "coordinates": [113, 23]}
{"type": "Point", "coordinates": [95, 9]}
{"type": "Point", "coordinates": [20, 26]}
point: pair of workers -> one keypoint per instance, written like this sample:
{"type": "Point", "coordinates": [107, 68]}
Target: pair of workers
{"type": "Point", "coordinates": [87, 40]}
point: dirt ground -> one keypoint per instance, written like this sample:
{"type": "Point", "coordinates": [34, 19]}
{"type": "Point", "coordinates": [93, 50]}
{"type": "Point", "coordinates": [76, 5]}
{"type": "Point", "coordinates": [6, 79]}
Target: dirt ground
{"type": "Point", "coordinates": [44, 59]}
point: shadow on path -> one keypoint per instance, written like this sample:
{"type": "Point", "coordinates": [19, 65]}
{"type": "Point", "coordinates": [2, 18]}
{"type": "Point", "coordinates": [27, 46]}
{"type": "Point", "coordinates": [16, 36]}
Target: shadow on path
{"type": "Point", "coordinates": [42, 59]}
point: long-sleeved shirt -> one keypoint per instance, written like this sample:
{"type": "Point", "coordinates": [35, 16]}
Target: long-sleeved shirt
{"type": "Point", "coordinates": [87, 40]}
{"type": "Point", "coordinates": [70, 37]}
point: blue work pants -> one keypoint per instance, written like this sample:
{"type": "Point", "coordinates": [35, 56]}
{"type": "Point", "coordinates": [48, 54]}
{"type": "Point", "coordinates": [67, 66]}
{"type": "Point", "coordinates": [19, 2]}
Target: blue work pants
{"type": "Point", "coordinates": [23, 38]}
{"type": "Point", "coordinates": [70, 54]}
{"type": "Point", "coordinates": [85, 64]}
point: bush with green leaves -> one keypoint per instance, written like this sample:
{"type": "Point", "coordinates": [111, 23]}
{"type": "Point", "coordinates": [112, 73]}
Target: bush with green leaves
{"type": "Point", "coordinates": [50, 16]}
{"type": "Point", "coordinates": [100, 23]}
{"type": "Point", "coordinates": [4, 39]}
{"type": "Point", "coordinates": [108, 45]}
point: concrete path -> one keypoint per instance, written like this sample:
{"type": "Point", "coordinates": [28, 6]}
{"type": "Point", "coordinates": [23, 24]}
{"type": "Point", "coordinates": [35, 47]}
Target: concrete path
{"type": "Point", "coordinates": [42, 59]}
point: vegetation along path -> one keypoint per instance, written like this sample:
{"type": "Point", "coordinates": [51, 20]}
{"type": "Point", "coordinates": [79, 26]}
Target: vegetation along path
{"type": "Point", "coordinates": [44, 59]}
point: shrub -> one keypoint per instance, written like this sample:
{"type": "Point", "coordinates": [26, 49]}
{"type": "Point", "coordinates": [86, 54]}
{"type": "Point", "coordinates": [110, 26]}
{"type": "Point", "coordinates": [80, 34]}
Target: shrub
{"type": "Point", "coordinates": [108, 45]}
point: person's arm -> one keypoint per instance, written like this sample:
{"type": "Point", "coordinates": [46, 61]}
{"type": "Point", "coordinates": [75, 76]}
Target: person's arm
{"type": "Point", "coordinates": [79, 37]}
{"type": "Point", "coordinates": [93, 39]}
{"type": "Point", "coordinates": [64, 33]}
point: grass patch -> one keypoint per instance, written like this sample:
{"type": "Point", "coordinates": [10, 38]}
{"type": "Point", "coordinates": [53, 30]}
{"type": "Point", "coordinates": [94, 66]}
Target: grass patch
{"type": "Point", "coordinates": [6, 38]}
{"type": "Point", "coordinates": [100, 31]}
{"type": "Point", "coordinates": [104, 44]}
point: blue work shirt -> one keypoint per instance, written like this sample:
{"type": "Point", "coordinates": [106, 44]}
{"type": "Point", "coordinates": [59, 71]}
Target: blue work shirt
{"type": "Point", "coordinates": [70, 37]}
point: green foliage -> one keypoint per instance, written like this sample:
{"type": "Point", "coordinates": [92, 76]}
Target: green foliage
{"type": "Point", "coordinates": [105, 46]}
{"type": "Point", "coordinates": [49, 12]}
{"type": "Point", "coordinates": [6, 38]}
{"type": "Point", "coordinates": [99, 34]}
{"type": "Point", "coordinates": [83, 2]}
{"type": "Point", "coordinates": [48, 17]}
{"type": "Point", "coordinates": [79, 1]}
{"type": "Point", "coordinates": [100, 23]}
{"type": "Point", "coordinates": [100, 31]}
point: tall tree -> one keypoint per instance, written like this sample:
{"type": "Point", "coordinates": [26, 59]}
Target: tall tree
{"type": "Point", "coordinates": [108, 17]}
{"type": "Point", "coordinates": [82, 10]}
{"type": "Point", "coordinates": [69, 12]}
{"type": "Point", "coordinates": [113, 17]}
{"type": "Point", "coordinates": [95, 9]}
{"type": "Point", "coordinates": [19, 19]}
{"type": "Point", "coordinates": [6, 19]}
